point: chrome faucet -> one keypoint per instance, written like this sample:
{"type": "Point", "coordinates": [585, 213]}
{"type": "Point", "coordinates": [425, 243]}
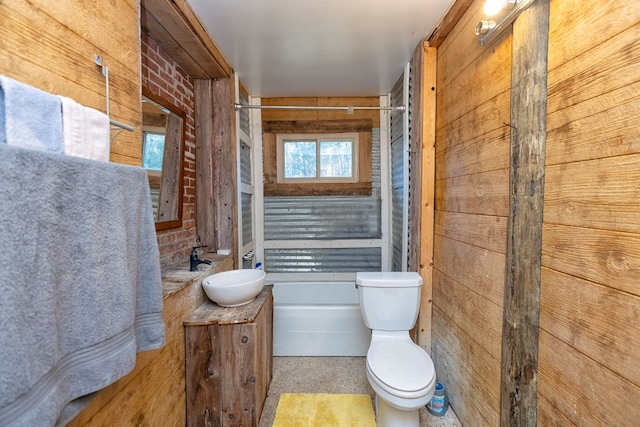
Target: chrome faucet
{"type": "Point", "coordinates": [195, 261]}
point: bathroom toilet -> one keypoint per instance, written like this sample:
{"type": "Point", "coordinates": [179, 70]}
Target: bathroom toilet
{"type": "Point", "coordinates": [400, 372]}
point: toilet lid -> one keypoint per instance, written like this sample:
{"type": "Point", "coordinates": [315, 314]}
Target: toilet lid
{"type": "Point", "coordinates": [401, 365]}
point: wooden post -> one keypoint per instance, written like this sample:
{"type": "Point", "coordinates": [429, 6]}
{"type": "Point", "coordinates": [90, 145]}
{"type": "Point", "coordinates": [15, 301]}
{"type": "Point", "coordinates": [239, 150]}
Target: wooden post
{"type": "Point", "coordinates": [205, 217]}
{"type": "Point", "coordinates": [424, 138]}
{"type": "Point", "coordinates": [522, 287]}
{"type": "Point", "coordinates": [415, 158]}
{"type": "Point", "coordinates": [225, 190]}
{"type": "Point", "coordinates": [216, 200]}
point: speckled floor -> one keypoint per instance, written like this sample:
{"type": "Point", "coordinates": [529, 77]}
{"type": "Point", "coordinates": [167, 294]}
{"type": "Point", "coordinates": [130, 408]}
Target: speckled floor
{"type": "Point", "coordinates": [328, 375]}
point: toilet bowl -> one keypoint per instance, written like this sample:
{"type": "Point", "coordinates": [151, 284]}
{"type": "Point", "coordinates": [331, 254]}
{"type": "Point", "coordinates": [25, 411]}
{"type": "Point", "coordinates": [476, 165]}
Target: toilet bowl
{"type": "Point", "coordinates": [400, 372]}
{"type": "Point", "coordinates": [402, 376]}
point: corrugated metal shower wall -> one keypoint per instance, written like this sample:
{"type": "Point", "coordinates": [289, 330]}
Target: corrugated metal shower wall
{"type": "Point", "coordinates": [245, 119]}
{"type": "Point", "coordinates": [400, 147]}
{"type": "Point", "coordinates": [246, 180]}
{"type": "Point", "coordinates": [325, 218]}
{"type": "Point", "coordinates": [245, 171]}
{"type": "Point", "coordinates": [246, 199]}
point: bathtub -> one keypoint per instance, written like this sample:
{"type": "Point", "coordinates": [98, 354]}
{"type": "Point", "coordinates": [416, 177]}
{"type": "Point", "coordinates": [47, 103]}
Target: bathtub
{"type": "Point", "coordinates": [318, 319]}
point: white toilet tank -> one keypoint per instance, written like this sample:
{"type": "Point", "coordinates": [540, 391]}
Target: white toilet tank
{"type": "Point", "coordinates": [390, 300]}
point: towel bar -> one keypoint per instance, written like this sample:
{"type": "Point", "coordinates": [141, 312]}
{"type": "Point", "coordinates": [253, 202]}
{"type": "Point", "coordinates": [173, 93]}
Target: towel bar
{"type": "Point", "coordinates": [119, 126]}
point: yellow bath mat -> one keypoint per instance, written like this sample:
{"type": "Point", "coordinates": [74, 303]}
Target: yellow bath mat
{"type": "Point", "coordinates": [323, 410]}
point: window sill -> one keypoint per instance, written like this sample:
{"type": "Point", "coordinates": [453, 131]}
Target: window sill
{"type": "Point", "coordinates": [314, 189]}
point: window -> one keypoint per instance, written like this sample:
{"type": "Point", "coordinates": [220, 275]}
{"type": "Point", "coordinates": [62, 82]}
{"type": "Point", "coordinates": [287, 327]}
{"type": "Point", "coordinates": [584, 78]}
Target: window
{"type": "Point", "coordinates": [153, 150]}
{"type": "Point", "coordinates": [305, 158]}
{"type": "Point", "coordinates": [328, 157]}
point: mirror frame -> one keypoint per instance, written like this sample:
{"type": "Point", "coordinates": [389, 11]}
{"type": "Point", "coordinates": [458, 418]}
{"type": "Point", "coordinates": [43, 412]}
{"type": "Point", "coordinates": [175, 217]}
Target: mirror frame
{"type": "Point", "coordinates": [174, 223]}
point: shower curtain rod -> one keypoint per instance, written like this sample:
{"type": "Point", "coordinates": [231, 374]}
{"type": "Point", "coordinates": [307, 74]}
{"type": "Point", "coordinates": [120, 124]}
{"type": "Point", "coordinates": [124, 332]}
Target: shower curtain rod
{"type": "Point", "coordinates": [349, 110]}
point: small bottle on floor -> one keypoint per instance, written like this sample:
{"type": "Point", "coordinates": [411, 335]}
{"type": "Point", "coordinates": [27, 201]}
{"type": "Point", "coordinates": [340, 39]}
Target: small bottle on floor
{"type": "Point", "coordinates": [439, 402]}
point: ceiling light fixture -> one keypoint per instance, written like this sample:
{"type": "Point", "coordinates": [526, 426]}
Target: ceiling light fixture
{"type": "Point", "coordinates": [493, 7]}
{"type": "Point", "coordinates": [500, 13]}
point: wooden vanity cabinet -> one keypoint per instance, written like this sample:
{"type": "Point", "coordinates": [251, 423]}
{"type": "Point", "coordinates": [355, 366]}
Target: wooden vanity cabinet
{"type": "Point", "coordinates": [229, 354]}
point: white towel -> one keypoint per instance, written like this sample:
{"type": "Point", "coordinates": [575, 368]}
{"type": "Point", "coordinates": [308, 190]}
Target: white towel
{"type": "Point", "coordinates": [86, 131]}
{"type": "Point", "coordinates": [29, 117]}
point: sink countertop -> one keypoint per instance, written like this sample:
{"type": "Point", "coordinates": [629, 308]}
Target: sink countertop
{"type": "Point", "coordinates": [210, 313]}
{"type": "Point", "coordinates": [178, 276]}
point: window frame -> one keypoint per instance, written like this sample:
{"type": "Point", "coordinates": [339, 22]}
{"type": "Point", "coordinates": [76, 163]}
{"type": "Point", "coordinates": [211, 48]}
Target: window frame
{"type": "Point", "coordinates": [272, 128]}
{"type": "Point", "coordinates": [318, 138]}
{"type": "Point", "coordinates": [152, 130]}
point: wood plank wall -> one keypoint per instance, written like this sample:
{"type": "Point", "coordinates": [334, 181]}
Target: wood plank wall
{"type": "Point", "coordinates": [589, 363]}
{"type": "Point", "coordinates": [51, 45]}
{"type": "Point", "coordinates": [276, 115]}
{"type": "Point", "coordinates": [472, 207]}
{"type": "Point", "coordinates": [589, 360]}
{"type": "Point", "coordinates": [424, 64]}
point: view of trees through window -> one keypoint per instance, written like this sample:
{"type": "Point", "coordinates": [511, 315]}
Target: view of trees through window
{"type": "Point", "coordinates": [318, 159]}
{"type": "Point", "coordinates": [153, 151]}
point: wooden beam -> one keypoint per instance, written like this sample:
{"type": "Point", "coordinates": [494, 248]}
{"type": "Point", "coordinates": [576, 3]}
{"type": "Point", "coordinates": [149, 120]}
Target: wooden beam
{"type": "Point", "coordinates": [427, 216]}
{"type": "Point", "coordinates": [205, 216]}
{"type": "Point", "coordinates": [415, 158]}
{"type": "Point", "coordinates": [518, 397]}
{"type": "Point", "coordinates": [317, 126]}
{"type": "Point", "coordinates": [449, 21]}
{"type": "Point", "coordinates": [173, 25]}
{"type": "Point", "coordinates": [154, 29]}
{"type": "Point", "coordinates": [311, 189]}
{"type": "Point", "coordinates": [225, 186]}
{"type": "Point", "coordinates": [204, 38]}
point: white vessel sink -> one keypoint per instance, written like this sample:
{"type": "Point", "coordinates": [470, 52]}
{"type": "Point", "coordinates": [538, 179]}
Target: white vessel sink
{"type": "Point", "coordinates": [234, 287]}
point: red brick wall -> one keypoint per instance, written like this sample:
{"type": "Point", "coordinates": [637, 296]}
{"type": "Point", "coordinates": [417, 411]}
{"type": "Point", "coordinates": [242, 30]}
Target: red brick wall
{"type": "Point", "coordinates": [164, 77]}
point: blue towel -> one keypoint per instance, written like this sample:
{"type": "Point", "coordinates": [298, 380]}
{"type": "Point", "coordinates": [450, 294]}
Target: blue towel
{"type": "Point", "coordinates": [80, 283]}
{"type": "Point", "coordinates": [29, 117]}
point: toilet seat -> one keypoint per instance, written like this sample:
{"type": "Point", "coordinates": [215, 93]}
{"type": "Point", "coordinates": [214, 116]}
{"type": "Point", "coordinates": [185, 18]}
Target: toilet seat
{"type": "Point", "coordinates": [400, 367]}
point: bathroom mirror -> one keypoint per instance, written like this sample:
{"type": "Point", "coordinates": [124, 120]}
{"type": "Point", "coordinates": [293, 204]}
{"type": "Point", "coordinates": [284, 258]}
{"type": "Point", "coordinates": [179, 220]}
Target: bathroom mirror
{"type": "Point", "coordinates": [162, 157]}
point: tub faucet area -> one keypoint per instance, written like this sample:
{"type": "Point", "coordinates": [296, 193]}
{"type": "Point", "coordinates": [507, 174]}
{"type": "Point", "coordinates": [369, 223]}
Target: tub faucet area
{"type": "Point", "coordinates": [195, 261]}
